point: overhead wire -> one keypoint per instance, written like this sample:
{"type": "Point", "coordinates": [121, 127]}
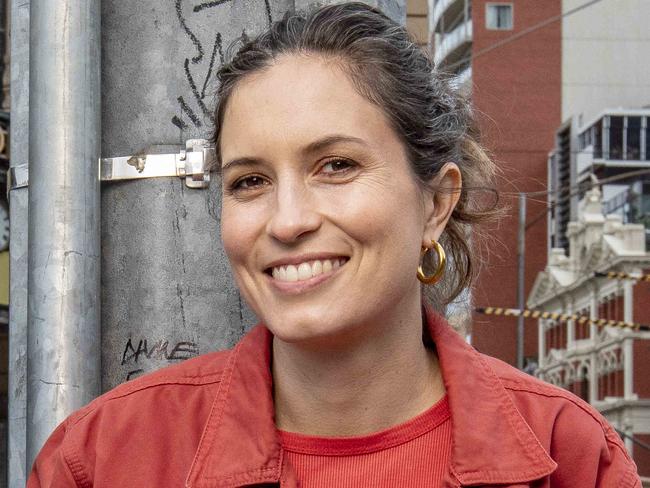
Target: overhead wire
{"type": "Point", "coordinates": [579, 188]}
{"type": "Point", "coordinates": [519, 35]}
{"type": "Point", "coordinates": [574, 189]}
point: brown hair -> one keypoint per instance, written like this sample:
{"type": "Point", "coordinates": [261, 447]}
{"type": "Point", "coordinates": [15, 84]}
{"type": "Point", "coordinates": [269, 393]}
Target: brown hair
{"type": "Point", "coordinates": [435, 123]}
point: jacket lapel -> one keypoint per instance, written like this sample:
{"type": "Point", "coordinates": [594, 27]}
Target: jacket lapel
{"type": "Point", "coordinates": [240, 445]}
{"type": "Point", "coordinates": [491, 442]}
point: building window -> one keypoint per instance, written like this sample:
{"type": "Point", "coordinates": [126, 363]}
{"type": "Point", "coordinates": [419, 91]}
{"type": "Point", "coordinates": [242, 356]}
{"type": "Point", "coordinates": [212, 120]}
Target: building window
{"type": "Point", "coordinates": [633, 133]}
{"type": "Point", "coordinates": [615, 137]}
{"type": "Point", "coordinates": [498, 16]}
{"type": "Point", "coordinates": [646, 122]}
{"type": "Point", "coordinates": [598, 140]}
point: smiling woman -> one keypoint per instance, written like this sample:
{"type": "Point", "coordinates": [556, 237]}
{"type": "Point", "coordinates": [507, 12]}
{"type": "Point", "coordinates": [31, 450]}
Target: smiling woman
{"type": "Point", "coordinates": [346, 161]}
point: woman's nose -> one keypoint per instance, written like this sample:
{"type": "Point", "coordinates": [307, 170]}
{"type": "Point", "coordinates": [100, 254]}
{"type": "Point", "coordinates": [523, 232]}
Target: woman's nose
{"type": "Point", "coordinates": [294, 215]}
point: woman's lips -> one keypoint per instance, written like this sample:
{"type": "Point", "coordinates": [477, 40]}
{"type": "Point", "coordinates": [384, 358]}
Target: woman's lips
{"type": "Point", "coordinates": [298, 278]}
{"type": "Point", "coordinates": [306, 270]}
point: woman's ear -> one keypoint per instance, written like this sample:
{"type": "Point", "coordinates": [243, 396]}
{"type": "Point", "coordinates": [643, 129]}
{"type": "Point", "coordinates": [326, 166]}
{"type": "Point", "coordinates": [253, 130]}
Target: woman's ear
{"type": "Point", "coordinates": [446, 187]}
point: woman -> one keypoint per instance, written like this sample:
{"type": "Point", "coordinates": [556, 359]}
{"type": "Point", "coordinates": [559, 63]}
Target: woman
{"type": "Point", "coordinates": [346, 168]}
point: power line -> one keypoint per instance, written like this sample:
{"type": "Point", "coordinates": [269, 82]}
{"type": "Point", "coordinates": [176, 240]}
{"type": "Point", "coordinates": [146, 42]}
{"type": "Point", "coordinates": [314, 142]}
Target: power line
{"type": "Point", "coordinates": [579, 188]}
{"type": "Point", "coordinates": [521, 34]}
{"type": "Point", "coordinates": [579, 319]}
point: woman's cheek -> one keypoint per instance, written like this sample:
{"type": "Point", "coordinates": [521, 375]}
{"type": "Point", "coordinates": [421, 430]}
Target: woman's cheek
{"type": "Point", "coordinates": [240, 224]}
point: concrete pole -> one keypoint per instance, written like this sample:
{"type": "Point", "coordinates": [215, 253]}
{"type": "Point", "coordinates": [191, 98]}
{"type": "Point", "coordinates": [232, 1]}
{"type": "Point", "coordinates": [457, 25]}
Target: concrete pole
{"type": "Point", "coordinates": [63, 357]}
{"type": "Point", "coordinates": [167, 292]}
{"type": "Point", "coordinates": [521, 285]}
{"type": "Point", "coordinates": [18, 218]}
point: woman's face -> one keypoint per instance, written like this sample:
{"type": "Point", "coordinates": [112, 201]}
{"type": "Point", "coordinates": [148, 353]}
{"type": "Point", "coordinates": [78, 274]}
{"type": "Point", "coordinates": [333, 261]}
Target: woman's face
{"type": "Point", "coordinates": [322, 218]}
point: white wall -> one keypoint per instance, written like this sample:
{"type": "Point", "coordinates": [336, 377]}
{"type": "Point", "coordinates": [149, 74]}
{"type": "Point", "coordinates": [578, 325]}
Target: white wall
{"type": "Point", "coordinates": [605, 57]}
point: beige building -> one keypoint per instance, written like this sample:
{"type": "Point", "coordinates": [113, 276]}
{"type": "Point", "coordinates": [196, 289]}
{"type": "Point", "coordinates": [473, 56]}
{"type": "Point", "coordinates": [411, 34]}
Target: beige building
{"type": "Point", "coordinates": [417, 21]}
{"type": "Point", "coordinates": [605, 64]}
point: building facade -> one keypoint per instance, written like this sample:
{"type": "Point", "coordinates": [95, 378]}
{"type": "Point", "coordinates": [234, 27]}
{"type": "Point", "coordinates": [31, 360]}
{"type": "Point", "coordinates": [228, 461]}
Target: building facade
{"type": "Point", "coordinates": [529, 66]}
{"type": "Point", "coordinates": [603, 365]}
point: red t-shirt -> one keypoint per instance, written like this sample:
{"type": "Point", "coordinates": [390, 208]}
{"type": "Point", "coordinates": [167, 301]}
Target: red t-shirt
{"type": "Point", "coordinates": [412, 454]}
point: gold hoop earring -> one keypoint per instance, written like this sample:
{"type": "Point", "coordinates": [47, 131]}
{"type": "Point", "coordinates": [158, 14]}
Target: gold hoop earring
{"type": "Point", "coordinates": [442, 261]}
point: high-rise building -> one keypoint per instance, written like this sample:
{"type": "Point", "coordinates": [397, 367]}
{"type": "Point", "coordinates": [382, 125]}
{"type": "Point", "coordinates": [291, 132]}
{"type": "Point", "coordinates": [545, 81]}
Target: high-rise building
{"type": "Point", "coordinates": [507, 56]}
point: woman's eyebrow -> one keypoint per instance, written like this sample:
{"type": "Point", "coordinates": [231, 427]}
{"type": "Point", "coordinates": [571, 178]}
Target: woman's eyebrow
{"type": "Point", "coordinates": [245, 161]}
{"type": "Point", "coordinates": [330, 140]}
{"type": "Point", "coordinates": [312, 147]}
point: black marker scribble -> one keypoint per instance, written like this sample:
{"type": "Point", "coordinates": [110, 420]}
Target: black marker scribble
{"type": "Point", "coordinates": [158, 350]}
{"type": "Point", "coordinates": [195, 90]}
{"type": "Point", "coordinates": [179, 123]}
{"type": "Point", "coordinates": [132, 374]}
{"type": "Point", "coordinates": [179, 13]}
{"type": "Point", "coordinates": [192, 77]}
{"type": "Point", "coordinates": [217, 48]}
{"type": "Point", "coordinates": [190, 113]}
{"type": "Point", "coordinates": [201, 6]}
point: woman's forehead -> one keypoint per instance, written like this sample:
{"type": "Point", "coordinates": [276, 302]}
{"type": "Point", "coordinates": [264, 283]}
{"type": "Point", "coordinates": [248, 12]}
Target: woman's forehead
{"type": "Point", "coordinates": [299, 99]}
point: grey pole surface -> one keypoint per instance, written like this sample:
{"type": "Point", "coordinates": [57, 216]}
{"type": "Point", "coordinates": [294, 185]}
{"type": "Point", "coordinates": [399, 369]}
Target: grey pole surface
{"type": "Point", "coordinates": [521, 286]}
{"type": "Point", "coordinates": [63, 356]}
{"type": "Point", "coordinates": [18, 213]}
{"type": "Point", "coordinates": [167, 292]}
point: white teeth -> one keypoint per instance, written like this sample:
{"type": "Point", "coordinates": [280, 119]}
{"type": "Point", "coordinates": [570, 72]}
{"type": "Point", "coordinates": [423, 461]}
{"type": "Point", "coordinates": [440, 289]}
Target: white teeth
{"type": "Point", "coordinates": [306, 270]}
{"type": "Point", "coordinates": [292, 273]}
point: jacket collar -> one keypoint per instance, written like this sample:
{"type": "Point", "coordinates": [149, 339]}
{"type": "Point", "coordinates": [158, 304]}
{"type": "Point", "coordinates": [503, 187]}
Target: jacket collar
{"type": "Point", "coordinates": [491, 441]}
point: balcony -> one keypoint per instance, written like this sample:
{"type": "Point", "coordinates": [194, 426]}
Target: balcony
{"type": "Point", "coordinates": [453, 46]}
{"type": "Point", "coordinates": [447, 10]}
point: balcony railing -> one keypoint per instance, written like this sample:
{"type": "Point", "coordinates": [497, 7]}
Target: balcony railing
{"type": "Point", "coordinates": [439, 9]}
{"type": "Point", "coordinates": [451, 41]}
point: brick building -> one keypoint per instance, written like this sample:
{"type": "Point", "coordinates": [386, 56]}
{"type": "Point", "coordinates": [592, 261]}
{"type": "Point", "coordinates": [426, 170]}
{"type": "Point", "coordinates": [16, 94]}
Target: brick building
{"type": "Point", "coordinates": [516, 89]}
{"type": "Point", "coordinates": [529, 67]}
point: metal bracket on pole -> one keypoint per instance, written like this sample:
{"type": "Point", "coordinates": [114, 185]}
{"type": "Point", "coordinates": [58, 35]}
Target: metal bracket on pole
{"type": "Point", "coordinates": [190, 163]}
{"type": "Point", "coordinates": [17, 177]}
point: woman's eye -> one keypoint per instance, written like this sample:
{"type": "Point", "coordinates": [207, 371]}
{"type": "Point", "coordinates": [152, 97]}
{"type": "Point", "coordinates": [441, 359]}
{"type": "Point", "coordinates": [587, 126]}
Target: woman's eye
{"type": "Point", "coordinates": [336, 166]}
{"type": "Point", "coordinates": [249, 183]}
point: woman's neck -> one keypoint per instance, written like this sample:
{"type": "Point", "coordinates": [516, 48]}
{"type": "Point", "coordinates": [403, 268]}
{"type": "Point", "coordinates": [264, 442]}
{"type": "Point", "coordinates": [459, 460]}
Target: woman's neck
{"type": "Point", "coordinates": [382, 380]}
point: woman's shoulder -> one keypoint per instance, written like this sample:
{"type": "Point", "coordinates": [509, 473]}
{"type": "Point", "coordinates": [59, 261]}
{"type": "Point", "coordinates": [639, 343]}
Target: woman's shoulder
{"type": "Point", "coordinates": [136, 423]}
{"type": "Point", "coordinates": [203, 370]}
{"type": "Point", "coordinates": [533, 395]}
{"type": "Point", "coordinates": [569, 428]}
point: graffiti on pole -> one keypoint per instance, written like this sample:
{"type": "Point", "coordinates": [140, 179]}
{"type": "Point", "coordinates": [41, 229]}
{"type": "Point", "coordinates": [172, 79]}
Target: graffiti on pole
{"type": "Point", "coordinates": [200, 68]}
{"type": "Point", "coordinates": [134, 355]}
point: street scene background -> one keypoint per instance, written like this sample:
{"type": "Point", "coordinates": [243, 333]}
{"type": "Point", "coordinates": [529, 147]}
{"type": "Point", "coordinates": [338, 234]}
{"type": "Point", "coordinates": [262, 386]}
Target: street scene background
{"type": "Point", "coordinates": [562, 91]}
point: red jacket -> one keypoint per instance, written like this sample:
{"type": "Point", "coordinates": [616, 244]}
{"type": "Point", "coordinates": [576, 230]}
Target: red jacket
{"type": "Point", "coordinates": [208, 422]}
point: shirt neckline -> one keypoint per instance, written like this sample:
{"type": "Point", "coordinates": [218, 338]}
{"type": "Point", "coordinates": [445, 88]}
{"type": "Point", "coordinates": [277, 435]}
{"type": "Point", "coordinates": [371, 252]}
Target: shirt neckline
{"type": "Point", "coordinates": [419, 425]}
